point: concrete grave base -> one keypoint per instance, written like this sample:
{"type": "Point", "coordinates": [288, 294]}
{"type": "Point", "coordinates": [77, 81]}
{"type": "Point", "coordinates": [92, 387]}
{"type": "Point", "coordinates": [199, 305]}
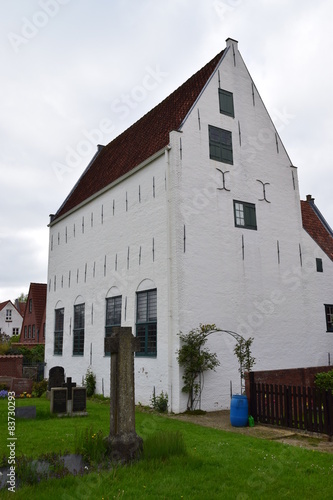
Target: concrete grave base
{"type": "Point", "coordinates": [124, 448]}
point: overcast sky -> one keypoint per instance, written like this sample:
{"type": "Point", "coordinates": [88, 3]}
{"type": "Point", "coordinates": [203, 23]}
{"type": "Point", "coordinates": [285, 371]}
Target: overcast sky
{"type": "Point", "coordinates": [74, 73]}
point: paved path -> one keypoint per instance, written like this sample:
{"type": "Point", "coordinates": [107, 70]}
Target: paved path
{"type": "Point", "coordinates": [221, 420]}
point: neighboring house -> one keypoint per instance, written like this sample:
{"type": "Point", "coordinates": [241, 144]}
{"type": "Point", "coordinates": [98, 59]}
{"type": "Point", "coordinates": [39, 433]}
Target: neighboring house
{"type": "Point", "coordinates": [33, 326]}
{"type": "Point", "coordinates": [10, 319]}
{"type": "Point", "coordinates": [192, 215]}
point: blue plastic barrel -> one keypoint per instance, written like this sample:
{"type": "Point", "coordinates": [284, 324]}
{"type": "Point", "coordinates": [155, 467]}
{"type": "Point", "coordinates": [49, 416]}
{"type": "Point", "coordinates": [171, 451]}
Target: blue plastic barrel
{"type": "Point", "coordinates": [239, 411]}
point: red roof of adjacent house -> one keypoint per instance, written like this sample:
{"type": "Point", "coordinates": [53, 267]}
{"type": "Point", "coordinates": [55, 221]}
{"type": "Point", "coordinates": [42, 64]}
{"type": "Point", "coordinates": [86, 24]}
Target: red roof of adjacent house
{"type": "Point", "coordinates": [317, 227]}
{"type": "Point", "coordinates": [3, 304]}
{"type": "Point", "coordinates": [21, 307]}
{"type": "Point", "coordinates": [146, 137]}
{"type": "Point", "coordinates": [37, 294]}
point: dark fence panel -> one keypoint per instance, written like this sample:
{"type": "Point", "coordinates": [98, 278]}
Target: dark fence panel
{"type": "Point", "coordinates": [303, 408]}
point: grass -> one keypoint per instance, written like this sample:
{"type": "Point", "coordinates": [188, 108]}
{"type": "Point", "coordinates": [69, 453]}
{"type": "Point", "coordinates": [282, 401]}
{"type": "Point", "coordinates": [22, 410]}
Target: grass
{"type": "Point", "coordinates": [214, 465]}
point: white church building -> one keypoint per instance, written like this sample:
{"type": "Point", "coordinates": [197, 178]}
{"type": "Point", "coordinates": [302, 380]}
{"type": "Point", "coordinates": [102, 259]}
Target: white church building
{"type": "Point", "coordinates": [192, 215]}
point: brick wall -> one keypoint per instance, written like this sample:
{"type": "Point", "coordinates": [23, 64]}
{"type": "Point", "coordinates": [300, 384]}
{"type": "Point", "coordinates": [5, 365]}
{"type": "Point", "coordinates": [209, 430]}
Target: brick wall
{"type": "Point", "coordinates": [11, 366]}
{"type": "Point", "coordinates": [293, 376]}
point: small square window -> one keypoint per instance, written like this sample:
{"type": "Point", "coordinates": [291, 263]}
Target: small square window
{"type": "Point", "coordinates": [319, 265]}
{"type": "Point", "coordinates": [220, 145]}
{"type": "Point", "coordinates": [329, 317]}
{"type": "Point", "coordinates": [245, 215]}
{"type": "Point", "coordinates": [226, 102]}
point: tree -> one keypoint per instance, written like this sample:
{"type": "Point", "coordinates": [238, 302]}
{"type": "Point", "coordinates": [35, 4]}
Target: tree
{"type": "Point", "coordinates": [195, 359]}
{"type": "Point", "coordinates": [23, 297]}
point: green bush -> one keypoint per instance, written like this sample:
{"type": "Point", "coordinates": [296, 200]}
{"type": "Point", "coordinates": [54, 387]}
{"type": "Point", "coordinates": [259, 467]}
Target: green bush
{"type": "Point", "coordinates": [324, 380]}
{"type": "Point", "coordinates": [160, 403]}
{"type": "Point", "coordinates": [38, 388]}
{"type": "Point", "coordinates": [90, 382]}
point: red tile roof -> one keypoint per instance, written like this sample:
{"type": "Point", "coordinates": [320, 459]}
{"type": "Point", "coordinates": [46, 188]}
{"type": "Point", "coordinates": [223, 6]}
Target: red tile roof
{"type": "Point", "coordinates": [37, 293]}
{"type": "Point", "coordinates": [3, 304]}
{"type": "Point", "coordinates": [316, 226]}
{"type": "Point", "coordinates": [146, 137]}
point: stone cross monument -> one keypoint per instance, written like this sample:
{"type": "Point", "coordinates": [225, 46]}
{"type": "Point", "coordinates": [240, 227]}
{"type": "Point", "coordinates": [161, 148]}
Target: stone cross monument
{"type": "Point", "coordinates": [123, 443]}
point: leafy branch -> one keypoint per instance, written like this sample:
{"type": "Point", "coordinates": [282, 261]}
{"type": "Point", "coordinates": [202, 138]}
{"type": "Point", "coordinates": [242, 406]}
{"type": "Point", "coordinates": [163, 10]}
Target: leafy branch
{"type": "Point", "coordinates": [196, 359]}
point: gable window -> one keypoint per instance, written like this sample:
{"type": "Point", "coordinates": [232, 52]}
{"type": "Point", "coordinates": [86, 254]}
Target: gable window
{"type": "Point", "coordinates": [329, 317]}
{"type": "Point", "coordinates": [30, 305]}
{"type": "Point", "coordinates": [146, 322]}
{"type": "Point", "coordinates": [319, 265]}
{"type": "Point", "coordinates": [58, 331]}
{"type": "Point", "coordinates": [226, 102]}
{"type": "Point", "coordinates": [220, 145]}
{"type": "Point", "coordinates": [245, 215]}
{"type": "Point", "coordinates": [8, 315]}
{"type": "Point", "coordinates": [113, 316]}
{"type": "Point", "coordinates": [78, 330]}
{"type": "Point", "coordinates": [33, 331]}
{"type": "Point", "coordinates": [29, 332]}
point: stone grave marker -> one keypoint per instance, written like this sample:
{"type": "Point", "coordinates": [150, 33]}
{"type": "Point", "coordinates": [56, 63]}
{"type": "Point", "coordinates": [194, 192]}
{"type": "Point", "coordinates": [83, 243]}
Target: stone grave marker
{"type": "Point", "coordinates": [69, 385]}
{"type": "Point", "coordinates": [25, 412]}
{"type": "Point", "coordinates": [56, 377]}
{"type": "Point", "coordinates": [124, 444]}
{"type": "Point", "coordinates": [59, 400]}
{"type": "Point", "coordinates": [21, 385]}
{"type": "Point", "coordinates": [79, 401]}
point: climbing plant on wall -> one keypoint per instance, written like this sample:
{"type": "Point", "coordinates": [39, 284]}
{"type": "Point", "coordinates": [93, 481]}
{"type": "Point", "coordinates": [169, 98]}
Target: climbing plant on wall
{"type": "Point", "coordinates": [196, 359]}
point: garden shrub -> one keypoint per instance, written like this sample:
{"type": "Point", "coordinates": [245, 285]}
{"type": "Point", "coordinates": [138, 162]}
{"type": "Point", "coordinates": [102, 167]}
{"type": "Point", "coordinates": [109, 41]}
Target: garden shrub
{"type": "Point", "coordinates": [90, 382]}
{"type": "Point", "coordinates": [324, 380]}
{"type": "Point", "coordinates": [160, 403]}
{"type": "Point", "coordinates": [38, 388]}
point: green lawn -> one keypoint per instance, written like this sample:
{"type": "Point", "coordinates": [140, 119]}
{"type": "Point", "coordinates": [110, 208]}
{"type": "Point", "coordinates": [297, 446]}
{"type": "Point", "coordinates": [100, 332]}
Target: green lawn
{"type": "Point", "coordinates": [218, 464]}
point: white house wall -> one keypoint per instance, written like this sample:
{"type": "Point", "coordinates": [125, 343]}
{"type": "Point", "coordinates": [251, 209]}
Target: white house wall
{"type": "Point", "coordinates": [104, 254]}
{"type": "Point", "coordinates": [260, 283]}
{"type": "Point", "coordinates": [7, 327]}
{"type": "Point", "coordinates": [248, 281]}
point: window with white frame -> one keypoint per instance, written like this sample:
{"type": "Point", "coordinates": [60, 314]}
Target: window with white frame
{"type": "Point", "coordinates": [245, 215]}
{"type": "Point", "coordinates": [8, 315]}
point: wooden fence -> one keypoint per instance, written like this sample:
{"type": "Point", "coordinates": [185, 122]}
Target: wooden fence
{"type": "Point", "coordinates": [303, 408]}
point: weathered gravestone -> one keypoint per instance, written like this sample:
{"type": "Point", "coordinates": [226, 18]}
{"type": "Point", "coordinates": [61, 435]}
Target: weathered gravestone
{"type": "Point", "coordinates": [59, 400]}
{"type": "Point", "coordinates": [124, 444]}
{"type": "Point", "coordinates": [69, 385]}
{"type": "Point", "coordinates": [21, 385]}
{"type": "Point", "coordinates": [56, 377]}
{"type": "Point", "coordinates": [25, 412]}
{"type": "Point", "coordinates": [79, 400]}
